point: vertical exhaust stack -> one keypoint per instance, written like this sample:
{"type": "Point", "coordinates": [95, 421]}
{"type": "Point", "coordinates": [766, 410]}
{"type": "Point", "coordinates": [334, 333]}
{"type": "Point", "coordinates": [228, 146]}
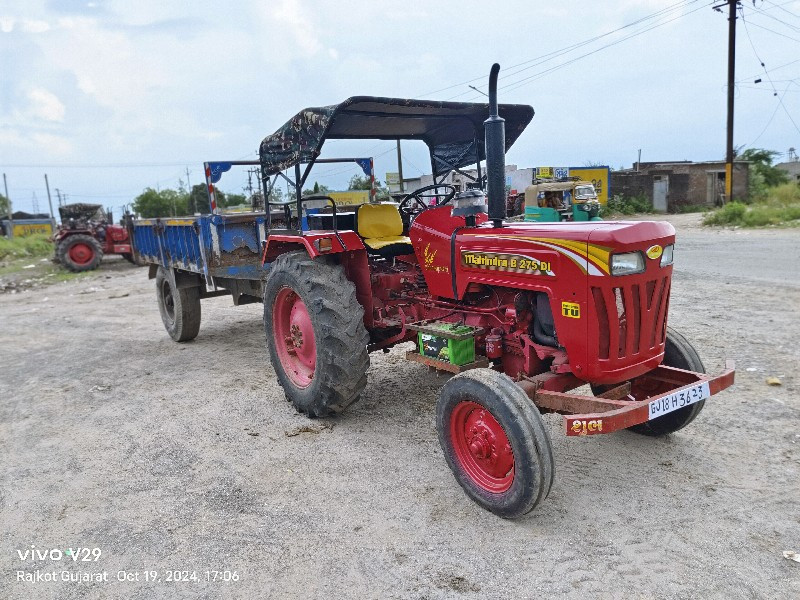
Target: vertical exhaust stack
{"type": "Point", "coordinates": [495, 134]}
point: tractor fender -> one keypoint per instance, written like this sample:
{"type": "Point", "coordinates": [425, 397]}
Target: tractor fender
{"type": "Point", "coordinates": [342, 241]}
{"type": "Point", "coordinates": [352, 256]}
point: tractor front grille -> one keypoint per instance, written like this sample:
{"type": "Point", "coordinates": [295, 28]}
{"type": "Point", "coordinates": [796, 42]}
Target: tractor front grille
{"type": "Point", "coordinates": [631, 319]}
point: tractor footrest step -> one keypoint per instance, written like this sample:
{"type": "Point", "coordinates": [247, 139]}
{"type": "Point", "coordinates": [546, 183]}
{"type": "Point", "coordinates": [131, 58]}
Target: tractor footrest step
{"type": "Point", "coordinates": [479, 362]}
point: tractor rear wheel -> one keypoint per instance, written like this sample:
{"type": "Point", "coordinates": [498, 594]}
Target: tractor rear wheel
{"type": "Point", "coordinates": [495, 442]}
{"type": "Point", "coordinates": [678, 353]}
{"type": "Point", "coordinates": [179, 307]}
{"type": "Point", "coordinates": [315, 333]}
{"type": "Point", "coordinates": [79, 252]}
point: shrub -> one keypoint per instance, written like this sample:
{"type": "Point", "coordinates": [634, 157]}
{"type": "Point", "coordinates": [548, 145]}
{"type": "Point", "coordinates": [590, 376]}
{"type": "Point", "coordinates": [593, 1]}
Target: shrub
{"type": "Point", "coordinates": [626, 205]}
{"type": "Point", "coordinates": [32, 245]}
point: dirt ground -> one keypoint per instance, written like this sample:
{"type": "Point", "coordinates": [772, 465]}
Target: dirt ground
{"type": "Point", "coordinates": [186, 457]}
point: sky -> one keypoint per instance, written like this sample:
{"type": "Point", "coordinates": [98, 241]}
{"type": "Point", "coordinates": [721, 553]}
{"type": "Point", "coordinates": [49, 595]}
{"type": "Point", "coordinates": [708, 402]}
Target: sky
{"type": "Point", "coordinates": [109, 97]}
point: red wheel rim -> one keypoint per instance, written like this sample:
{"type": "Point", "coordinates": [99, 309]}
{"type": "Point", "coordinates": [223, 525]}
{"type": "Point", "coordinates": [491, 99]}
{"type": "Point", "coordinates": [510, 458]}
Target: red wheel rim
{"type": "Point", "coordinates": [81, 254]}
{"type": "Point", "coordinates": [481, 447]}
{"type": "Point", "coordinates": [294, 337]}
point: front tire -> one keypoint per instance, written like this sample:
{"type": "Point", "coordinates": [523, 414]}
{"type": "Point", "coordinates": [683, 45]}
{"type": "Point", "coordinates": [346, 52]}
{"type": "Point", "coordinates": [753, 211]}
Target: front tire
{"type": "Point", "coordinates": [315, 333]}
{"type": "Point", "coordinates": [678, 353]}
{"type": "Point", "coordinates": [79, 252]}
{"type": "Point", "coordinates": [179, 307]}
{"type": "Point", "coordinates": [495, 442]}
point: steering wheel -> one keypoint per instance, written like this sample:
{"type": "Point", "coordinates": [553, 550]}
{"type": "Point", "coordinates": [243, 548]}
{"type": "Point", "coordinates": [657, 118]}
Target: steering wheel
{"type": "Point", "coordinates": [415, 202]}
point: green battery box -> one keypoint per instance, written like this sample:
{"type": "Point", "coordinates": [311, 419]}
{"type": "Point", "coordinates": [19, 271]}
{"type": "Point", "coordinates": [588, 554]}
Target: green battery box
{"type": "Point", "coordinates": [448, 342]}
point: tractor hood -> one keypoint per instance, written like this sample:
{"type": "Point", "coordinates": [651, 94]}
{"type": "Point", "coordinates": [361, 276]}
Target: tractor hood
{"type": "Point", "coordinates": [525, 255]}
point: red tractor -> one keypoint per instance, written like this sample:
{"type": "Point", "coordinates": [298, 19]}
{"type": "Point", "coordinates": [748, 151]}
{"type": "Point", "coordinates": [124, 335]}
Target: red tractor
{"type": "Point", "coordinates": [522, 314]}
{"type": "Point", "coordinates": [86, 234]}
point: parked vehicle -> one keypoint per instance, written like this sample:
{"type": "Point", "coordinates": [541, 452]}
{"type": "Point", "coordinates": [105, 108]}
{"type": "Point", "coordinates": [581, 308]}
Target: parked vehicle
{"type": "Point", "coordinates": [87, 233]}
{"type": "Point", "coordinates": [521, 313]}
{"type": "Point", "coordinates": [562, 200]}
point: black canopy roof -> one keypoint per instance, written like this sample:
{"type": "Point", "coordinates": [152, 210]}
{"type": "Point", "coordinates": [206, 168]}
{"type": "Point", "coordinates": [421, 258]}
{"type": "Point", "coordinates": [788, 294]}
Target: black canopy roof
{"type": "Point", "coordinates": [452, 130]}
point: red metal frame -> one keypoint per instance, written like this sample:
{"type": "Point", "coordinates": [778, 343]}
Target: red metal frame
{"type": "Point", "coordinates": [623, 406]}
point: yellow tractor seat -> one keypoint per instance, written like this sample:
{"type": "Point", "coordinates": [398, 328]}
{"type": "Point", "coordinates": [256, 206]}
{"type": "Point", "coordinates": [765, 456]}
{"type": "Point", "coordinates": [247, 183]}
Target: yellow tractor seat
{"type": "Point", "coordinates": [381, 229]}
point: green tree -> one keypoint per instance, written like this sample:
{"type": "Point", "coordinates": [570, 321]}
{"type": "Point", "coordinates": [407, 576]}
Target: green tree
{"type": "Point", "coordinates": [362, 182]}
{"type": "Point", "coordinates": [197, 202]}
{"type": "Point", "coordinates": [762, 174]}
{"type": "Point", "coordinates": [160, 203]}
{"type": "Point", "coordinates": [359, 182]}
{"type": "Point", "coordinates": [230, 200]}
{"type": "Point", "coordinates": [3, 206]}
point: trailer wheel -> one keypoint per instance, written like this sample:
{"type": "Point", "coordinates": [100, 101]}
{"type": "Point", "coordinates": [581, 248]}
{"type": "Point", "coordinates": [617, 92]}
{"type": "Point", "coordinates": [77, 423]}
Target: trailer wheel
{"type": "Point", "coordinates": [79, 253]}
{"type": "Point", "coordinates": [495, 442]}
{"type": "Point", "coordinates": [678, 353]}
{"type": "Point", "coordinates": [315, 333]}
{"type": "Point", "coordinates": [179, 307]}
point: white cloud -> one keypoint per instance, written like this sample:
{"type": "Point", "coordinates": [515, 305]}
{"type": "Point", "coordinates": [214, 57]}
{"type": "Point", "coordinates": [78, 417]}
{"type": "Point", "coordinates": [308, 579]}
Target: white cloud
{"type": "Point", "coordinates": [45, 105]}
{"type": "Point", "coordinates": [292, 15]}
{"type": "Point", "coordinates": [35, 26]}
{"type": "Point", "coordinates": [7, 24]}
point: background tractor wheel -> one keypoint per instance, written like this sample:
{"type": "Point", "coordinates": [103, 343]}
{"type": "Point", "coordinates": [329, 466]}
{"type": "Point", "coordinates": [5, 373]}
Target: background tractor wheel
{"type": "Point", "coordinates": [678, 353]}
{"type": "Point", "coordinates": [179, 308]}
{"type": "Point", "coordinates": [495, 442]}
{"type": "Point", "coordinates": [79, 253]}
{"type": "Point", "coordinates": [315, 333]}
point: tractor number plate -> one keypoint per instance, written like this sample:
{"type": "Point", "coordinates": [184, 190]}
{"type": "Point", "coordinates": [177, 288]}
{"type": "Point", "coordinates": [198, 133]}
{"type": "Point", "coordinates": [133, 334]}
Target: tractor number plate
{"type": "Point", "coordinates": [667, 404]}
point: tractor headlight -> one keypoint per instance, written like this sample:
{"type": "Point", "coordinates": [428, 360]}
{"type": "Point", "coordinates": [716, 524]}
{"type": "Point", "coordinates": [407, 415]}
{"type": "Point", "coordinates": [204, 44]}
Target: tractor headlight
{"type": "Point", "coordinates": [666, 257]}
{"type": "Point", "coordinates": [627, 263]}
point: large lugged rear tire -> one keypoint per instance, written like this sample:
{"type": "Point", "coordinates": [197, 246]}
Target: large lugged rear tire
{"type": "Point", "coordinates": [79, 252]}
{"type": "Point", "coordinates": [495, 442]}
{"type": "Point", "coordinates": [179, 307]}
{"type": "Point", "coordinates": [678, 353]}
{"type": "Point", "coordinates": [315, 333]}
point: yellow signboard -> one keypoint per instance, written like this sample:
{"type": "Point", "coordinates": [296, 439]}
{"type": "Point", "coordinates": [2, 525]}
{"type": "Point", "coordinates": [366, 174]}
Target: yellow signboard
{"type": "Point", "coordinates": [598, 176]}
{"type": "Point", "coordinates": [350, 197]}
{"type": "Point", "coordinates": [392, 178]}
{"type": "Point", "coordinates": [24, 229]}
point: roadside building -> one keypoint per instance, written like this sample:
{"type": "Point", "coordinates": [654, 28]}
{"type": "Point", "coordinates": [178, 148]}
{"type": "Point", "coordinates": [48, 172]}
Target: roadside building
{"type": "Point", "coordinates": [670, 185]}
{"type": "Point", "coordinates": [792, 169]}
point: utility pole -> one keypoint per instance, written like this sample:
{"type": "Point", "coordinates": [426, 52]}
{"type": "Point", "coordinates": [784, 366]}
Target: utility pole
{"type": "Point", "coordinates": [399, 165]}
{"type": "Point", "coordinates": [58, 194]}
{"type": "Point", "coordinates": [732, 6]}
{"type": "Point", "coordinates": [49, 200]}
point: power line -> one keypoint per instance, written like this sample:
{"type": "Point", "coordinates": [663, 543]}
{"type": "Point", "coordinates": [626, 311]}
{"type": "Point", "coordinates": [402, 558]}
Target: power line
{"type": "Point", "coordinates": [769, 78]}
{"type": "Point", "coordinates": [788, 37]}
{"type": "Point", "coordinates": [510, 71]}
{"type": "Point", "coordinates": [514, 85]}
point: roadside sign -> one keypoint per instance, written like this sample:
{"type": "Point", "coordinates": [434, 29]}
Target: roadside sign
{"type": "Point", "coordinates": [350, 197]}
{"type": "Point", "coordinates": [392, 178]}
{"type": "Point", "coordinates": [599, 176]}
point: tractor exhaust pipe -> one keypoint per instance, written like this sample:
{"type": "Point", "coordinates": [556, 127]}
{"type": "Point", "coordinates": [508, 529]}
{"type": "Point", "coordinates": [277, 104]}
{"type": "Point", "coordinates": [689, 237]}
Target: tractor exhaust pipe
{"type": "Point", "coordinates": [495, 134]}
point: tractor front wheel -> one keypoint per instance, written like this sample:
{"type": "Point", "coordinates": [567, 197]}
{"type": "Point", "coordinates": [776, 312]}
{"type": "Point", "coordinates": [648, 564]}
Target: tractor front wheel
{"type": "Point", "coordinates": [179, 307]}
{"type": "Point", "coordinates": [79, 253]}
{"type": "Point", "coordinates": [678, 353]}
{"type": "Point", "coordinates": [315, 333]}
{"type": "Point", "coordinates": [495, 442]}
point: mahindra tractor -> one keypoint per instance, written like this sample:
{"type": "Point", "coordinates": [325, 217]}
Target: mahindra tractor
{"type": "Point", "coordinates": [86, 234]}
{"type": "Point", "coordinates": [520, 314]}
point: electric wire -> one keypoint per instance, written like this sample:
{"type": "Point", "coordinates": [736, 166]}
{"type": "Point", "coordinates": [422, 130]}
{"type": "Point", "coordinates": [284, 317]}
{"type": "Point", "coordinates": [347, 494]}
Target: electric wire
{"type": "Point", "coordinates": [769, 78]}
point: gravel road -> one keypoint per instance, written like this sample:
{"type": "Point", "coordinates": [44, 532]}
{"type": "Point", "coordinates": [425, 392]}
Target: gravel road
{"type": "Point", "coordinates": [186, 458]}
